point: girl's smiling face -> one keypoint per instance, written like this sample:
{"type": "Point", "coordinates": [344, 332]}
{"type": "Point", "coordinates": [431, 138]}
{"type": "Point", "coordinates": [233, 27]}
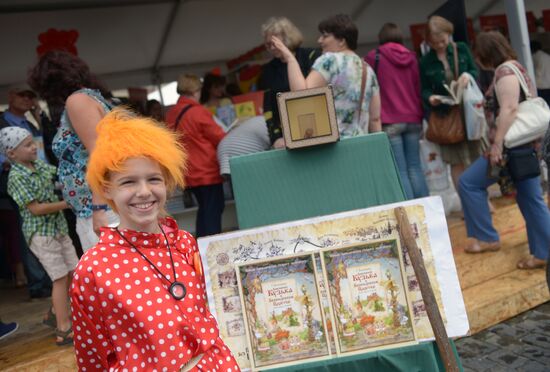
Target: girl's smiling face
{"type": "Point", "coordinates": [139, 194]}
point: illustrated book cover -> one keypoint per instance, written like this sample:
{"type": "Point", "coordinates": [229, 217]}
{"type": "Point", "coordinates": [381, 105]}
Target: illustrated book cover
{"type": "Point", "coordinates": [282, 310]}
{"type": "Point", "coordinates": [368, 296]}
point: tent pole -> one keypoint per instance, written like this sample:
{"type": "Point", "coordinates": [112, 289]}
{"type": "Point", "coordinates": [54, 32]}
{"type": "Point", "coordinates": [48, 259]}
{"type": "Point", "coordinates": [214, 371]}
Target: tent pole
{"type": "Point", "coordinates": [167, 30]}
{"type": "Point", "coordinates": [157, 81]}
{"type": "Point", "coordinates": [360, 9]}
{"type": "Point", "coordinates": [159, 87]}
{"type": "Point", "coordinates": [519, 35]}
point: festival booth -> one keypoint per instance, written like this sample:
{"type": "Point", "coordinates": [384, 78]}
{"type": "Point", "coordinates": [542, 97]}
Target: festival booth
{"type": "Point", "coordinates": [284, 293]}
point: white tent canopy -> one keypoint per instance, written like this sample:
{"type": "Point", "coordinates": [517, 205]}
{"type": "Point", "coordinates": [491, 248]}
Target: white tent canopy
{"type": "Point", "coordinates": [140, 42]}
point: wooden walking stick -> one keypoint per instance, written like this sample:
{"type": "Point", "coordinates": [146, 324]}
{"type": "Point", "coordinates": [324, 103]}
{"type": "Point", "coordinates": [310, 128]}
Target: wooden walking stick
{"type": "Point", "coordinates": [441, 339]}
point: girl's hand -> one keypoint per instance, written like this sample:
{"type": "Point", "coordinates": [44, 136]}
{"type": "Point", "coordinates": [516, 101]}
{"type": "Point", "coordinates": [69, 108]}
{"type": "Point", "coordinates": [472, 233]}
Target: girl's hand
{"type": "Point", "coordinates": [496, 153]}
{"type": "Point", "coordinates": [286, 54]}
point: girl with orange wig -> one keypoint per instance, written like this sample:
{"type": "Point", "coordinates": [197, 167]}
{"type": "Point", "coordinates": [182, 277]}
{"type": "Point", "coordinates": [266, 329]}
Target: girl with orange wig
{"type": "Point", "coordinates": [138, 296]}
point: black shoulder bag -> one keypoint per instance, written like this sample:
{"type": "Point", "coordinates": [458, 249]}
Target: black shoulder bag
{"type": "Point", "coordinates": [522, 161]}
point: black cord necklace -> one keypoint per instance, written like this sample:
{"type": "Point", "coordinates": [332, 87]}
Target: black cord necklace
{"type": "Point", "coordinates": [176, 289]}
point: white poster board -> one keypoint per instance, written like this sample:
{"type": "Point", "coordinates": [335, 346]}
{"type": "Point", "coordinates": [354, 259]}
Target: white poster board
{"type": "Point", "coordinates": [220, 253]}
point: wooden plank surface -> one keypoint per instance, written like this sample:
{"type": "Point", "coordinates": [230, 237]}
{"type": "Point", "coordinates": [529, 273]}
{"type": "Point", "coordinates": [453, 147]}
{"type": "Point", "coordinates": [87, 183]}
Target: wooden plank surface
{"type": "Point", "coordinates": [32, 347]}
{"type": "Point", "coordinates": [504, 297]}
{"type": "Point", "coordinates": [478, 268]}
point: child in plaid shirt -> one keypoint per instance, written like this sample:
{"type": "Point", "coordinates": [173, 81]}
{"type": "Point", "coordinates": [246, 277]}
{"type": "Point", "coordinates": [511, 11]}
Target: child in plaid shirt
{"type": "Point", "coordinates": [30, 184]}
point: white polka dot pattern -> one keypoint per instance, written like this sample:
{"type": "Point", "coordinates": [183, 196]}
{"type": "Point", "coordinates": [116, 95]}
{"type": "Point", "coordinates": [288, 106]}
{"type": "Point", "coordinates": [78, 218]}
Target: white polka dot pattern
{"type": "Point", "coordinates": [124, 317]}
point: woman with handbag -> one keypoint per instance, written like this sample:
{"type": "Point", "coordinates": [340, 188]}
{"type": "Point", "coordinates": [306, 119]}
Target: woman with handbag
{"type": "Point", "coordinates": [511, 88]}
{"type": "Point", "coordinates": [444, 63]}
{"type": "Point", "coordinates": [354, 83]}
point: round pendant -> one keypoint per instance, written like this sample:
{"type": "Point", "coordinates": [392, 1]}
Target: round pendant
{"type": "Point", "coordinates": [177, 290]}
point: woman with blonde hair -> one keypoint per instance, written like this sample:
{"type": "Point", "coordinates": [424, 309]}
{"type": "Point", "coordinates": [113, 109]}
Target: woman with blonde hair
{"type": "Point", "coordinates": [274, 78]}
{"type": "Point", "coordinates": [437, 68]}
{"type": "Point", "coordinates": [503, 97]}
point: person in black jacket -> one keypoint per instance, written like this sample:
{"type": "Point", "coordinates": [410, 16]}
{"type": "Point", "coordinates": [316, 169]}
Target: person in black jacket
{"type": "Point", "coordinates": [274, 76]}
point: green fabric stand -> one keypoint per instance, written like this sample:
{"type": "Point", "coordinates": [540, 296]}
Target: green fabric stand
{"type": "Point", "coordinates": [416, 358]}
{"type": "Point", "coordinates": [279, 186]}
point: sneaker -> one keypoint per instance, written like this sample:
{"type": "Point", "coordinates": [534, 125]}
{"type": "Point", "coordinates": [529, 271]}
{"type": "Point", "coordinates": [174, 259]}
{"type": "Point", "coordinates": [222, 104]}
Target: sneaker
{"type": "Point", "coordinates": [7, 329]}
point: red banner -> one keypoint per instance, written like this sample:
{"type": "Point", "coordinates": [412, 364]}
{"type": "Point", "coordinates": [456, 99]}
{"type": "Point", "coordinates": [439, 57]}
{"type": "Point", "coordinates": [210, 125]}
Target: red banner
{"type": "Point", "coordinates": [418, 34]}
{"type": "Point", "coordinates": [531, 22]}
{"type": "Point", "coordinates": [470, 30]}
{"type": "Point", "coordinates": [546, 19]}
{"type": "Point", "coordinates": [497, 22]}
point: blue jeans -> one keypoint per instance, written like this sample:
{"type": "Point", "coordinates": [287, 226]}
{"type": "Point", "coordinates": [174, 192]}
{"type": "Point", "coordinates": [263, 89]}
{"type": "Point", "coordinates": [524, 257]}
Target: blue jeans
{"type": "Point", "coordinates": [404, 139]}
{"type": "Point", "coordinates": [211, 204]}
{"type": "Point", "coordinates": [473, 186]}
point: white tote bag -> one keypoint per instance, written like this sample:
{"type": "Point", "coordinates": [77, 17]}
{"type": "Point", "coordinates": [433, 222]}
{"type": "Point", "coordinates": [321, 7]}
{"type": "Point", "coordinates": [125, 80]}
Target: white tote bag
{"type": "Point", "coordinates": [532, 117]}
{"type": "Point", "coordinates": [435, 170]}
{"type": "Point", "coordinates": [474, 115]}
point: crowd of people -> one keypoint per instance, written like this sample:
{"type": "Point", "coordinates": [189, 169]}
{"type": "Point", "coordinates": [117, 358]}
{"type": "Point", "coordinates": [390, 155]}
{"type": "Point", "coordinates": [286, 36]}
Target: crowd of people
{"type": "Point", "coordinates": [114, 169]}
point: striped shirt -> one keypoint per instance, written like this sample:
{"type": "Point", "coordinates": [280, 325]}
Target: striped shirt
{"type": "Point", "coordinates": [25, 186]}
{"type": "Point", "coordinates": [248, 137]}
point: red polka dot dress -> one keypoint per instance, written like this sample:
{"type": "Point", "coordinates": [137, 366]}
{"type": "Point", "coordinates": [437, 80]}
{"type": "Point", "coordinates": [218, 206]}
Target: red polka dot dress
{"type": "Point", "coordinates": [125, 319]}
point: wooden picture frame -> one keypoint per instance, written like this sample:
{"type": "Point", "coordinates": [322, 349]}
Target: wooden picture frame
{"type": "Point", "coordinates": [308, 117]}
{"type": "Point", "coordinates": [284, 320]}
{"type": "Point", "coordinates": [369, 304]}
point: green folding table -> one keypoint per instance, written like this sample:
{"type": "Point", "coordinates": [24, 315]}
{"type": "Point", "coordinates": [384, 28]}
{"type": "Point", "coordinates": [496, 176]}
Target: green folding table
{"type": "Point", "coordinates": [279, 186]}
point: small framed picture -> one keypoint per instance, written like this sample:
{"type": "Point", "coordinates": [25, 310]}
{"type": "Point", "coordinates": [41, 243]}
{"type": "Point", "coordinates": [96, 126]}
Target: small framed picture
{"type": "Point", "coordinates": [308, 117]}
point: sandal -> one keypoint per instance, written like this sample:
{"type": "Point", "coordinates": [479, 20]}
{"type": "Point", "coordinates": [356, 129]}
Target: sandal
{"type": "Point", "coordinates": [479, 246]}
{"type": "Point", "coordinates": [531, 263]}
{"type": "Point", "coordinates": [50, 319]}
{"type": "Point", "coordinates": [66, 337]}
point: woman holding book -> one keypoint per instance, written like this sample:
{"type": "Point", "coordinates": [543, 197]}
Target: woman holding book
{"type": "Point", "coordinates": [437, 70]}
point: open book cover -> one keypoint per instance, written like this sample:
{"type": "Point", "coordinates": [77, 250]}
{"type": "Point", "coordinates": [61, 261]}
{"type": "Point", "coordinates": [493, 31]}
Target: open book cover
{"type": "Point", "coordinates": [455, 94]}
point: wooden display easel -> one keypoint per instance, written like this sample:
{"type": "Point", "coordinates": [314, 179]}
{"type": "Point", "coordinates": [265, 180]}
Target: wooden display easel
{"type": "Point", "coordinates": [441, 339]}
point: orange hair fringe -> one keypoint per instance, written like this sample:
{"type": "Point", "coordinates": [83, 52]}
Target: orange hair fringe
{"type": "Point", "coordinates": [122, 135]}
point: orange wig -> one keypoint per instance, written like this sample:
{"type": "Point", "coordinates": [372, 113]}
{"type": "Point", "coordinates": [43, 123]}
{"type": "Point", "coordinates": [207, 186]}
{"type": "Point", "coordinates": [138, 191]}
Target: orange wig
{"type": "Point", "coordinates": [122, 135]}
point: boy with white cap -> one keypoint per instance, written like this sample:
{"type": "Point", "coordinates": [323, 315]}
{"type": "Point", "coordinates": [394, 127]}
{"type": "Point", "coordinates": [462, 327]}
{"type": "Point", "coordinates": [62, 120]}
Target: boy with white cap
{"type": "Point", "coordinates": [30, 184]}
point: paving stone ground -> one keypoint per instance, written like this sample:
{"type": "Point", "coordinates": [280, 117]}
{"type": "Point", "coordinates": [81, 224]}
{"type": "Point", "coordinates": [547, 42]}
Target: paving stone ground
{"type": "Point", "coordinates": [519, 344]}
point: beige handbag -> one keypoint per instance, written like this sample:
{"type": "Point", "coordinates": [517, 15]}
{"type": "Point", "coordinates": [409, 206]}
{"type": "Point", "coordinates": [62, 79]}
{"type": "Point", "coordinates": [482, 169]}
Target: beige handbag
{"type": "Point", "coordinates": [532, 117]}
